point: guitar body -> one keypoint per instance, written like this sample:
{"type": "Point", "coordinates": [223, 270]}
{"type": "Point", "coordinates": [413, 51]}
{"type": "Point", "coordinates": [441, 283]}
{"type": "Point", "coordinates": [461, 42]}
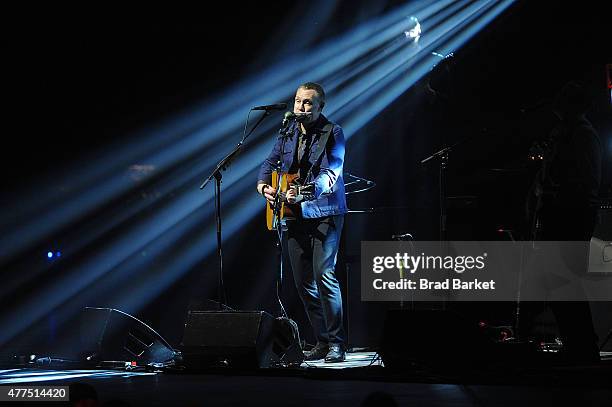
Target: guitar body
{"type": "Point", "coordinates": [282, 182]}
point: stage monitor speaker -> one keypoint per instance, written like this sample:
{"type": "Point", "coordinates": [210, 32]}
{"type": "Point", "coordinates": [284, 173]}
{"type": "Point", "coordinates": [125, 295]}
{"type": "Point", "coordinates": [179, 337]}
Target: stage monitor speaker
{"type": "Point", "coordinates": [437, 338]}
{"type": "Point", "coordinates": [108, 334]}
{"type": "Point", "coordinates": [239, 339]}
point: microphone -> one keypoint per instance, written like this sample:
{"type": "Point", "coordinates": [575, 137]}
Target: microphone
{"type": "Point", "coordinates": [276, 106]}
{"type": "Point", "coordinates": [298, 117]}
{"type": "Point", "coordinates": [288, 116]}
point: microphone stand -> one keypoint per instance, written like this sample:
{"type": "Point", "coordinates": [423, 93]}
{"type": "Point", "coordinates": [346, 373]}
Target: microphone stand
{"type": "Point", "coordinates": [443, 156]}
{"type": "Point", "coordinates": [284, 135]}
{"type": "Point", "coordinates": [218, 176]}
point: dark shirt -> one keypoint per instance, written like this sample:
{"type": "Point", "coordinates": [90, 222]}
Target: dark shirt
{"type": "Point", "coordinates": [571, 182]}
{"type": "Point", "coordinates": [301, 164]}
{"type": "Point", "coordinates": [574, 170]}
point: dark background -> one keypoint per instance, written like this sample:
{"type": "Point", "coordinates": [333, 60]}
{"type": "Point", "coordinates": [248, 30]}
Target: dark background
{"type": "Point", "coordinates": [76, 80]}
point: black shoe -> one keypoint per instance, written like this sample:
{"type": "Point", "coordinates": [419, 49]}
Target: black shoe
{"type": "Point", "coordinates": [318, 352]}
{"type": "Point", "coordinates": [336, 353]}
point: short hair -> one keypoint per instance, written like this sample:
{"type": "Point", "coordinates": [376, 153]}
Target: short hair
{"type": "Point", "coordinates": [317, 88]}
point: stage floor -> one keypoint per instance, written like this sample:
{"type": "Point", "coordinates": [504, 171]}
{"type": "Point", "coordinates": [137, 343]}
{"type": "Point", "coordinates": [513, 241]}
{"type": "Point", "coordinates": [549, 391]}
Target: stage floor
{"type": "Point", "coordinates": [353, 360]}
{"type": "Point", "coordinates": [341, 384]}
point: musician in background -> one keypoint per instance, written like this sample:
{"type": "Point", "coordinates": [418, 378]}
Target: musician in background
{"type": "Point", "coordinates": [314, 149]}
{"type": "Point", "coordinates": [567, 187]}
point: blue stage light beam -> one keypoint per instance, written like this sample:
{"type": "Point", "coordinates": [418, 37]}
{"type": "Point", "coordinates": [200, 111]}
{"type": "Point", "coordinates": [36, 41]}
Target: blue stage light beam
{"type": "Point", "coordinates": [186, 258]}
{"type": "Point", "coordinates": [402, 79]}
{"type": "Point", "coordinates": [157, 137]}
{"type": "Point", "coordinates": [116, 251]}
{"type": "Point", "coordinates": [392, 40]}
{"type": "Point", "coordinates": [98, 182]}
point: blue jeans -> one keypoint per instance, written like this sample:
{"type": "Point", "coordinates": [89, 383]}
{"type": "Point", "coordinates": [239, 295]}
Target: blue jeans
{"type": "Point", "coordinates": [313, 248]}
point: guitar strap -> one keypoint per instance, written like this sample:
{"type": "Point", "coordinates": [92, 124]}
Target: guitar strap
{"type": "Point", "coordinates": [325, 133]}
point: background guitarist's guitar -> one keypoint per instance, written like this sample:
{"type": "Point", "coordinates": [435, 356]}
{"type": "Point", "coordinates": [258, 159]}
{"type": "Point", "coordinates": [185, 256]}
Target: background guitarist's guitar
{"type": "Point", "coordinates": [283, 182]}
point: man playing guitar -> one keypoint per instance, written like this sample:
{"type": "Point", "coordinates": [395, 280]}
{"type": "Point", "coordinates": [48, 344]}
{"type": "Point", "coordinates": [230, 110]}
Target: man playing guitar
{"type": "Point", "coordinates": [314, 150]}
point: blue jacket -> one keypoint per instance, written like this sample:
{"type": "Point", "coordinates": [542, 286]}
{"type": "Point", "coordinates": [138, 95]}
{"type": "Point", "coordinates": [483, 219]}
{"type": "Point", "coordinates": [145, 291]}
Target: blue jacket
{"type": "Point", "coordinates": [326, 173]}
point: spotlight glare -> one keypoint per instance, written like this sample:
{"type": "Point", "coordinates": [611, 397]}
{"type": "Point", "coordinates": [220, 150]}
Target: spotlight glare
{"type": "Point", "coordinates": [49, 255]}
{"type": "Point", "coordinates": [413, 30]}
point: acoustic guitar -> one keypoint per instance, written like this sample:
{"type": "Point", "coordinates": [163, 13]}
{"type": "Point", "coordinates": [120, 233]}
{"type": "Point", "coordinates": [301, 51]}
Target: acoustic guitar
{"type": "Point", "coordinates": [283, 182]}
